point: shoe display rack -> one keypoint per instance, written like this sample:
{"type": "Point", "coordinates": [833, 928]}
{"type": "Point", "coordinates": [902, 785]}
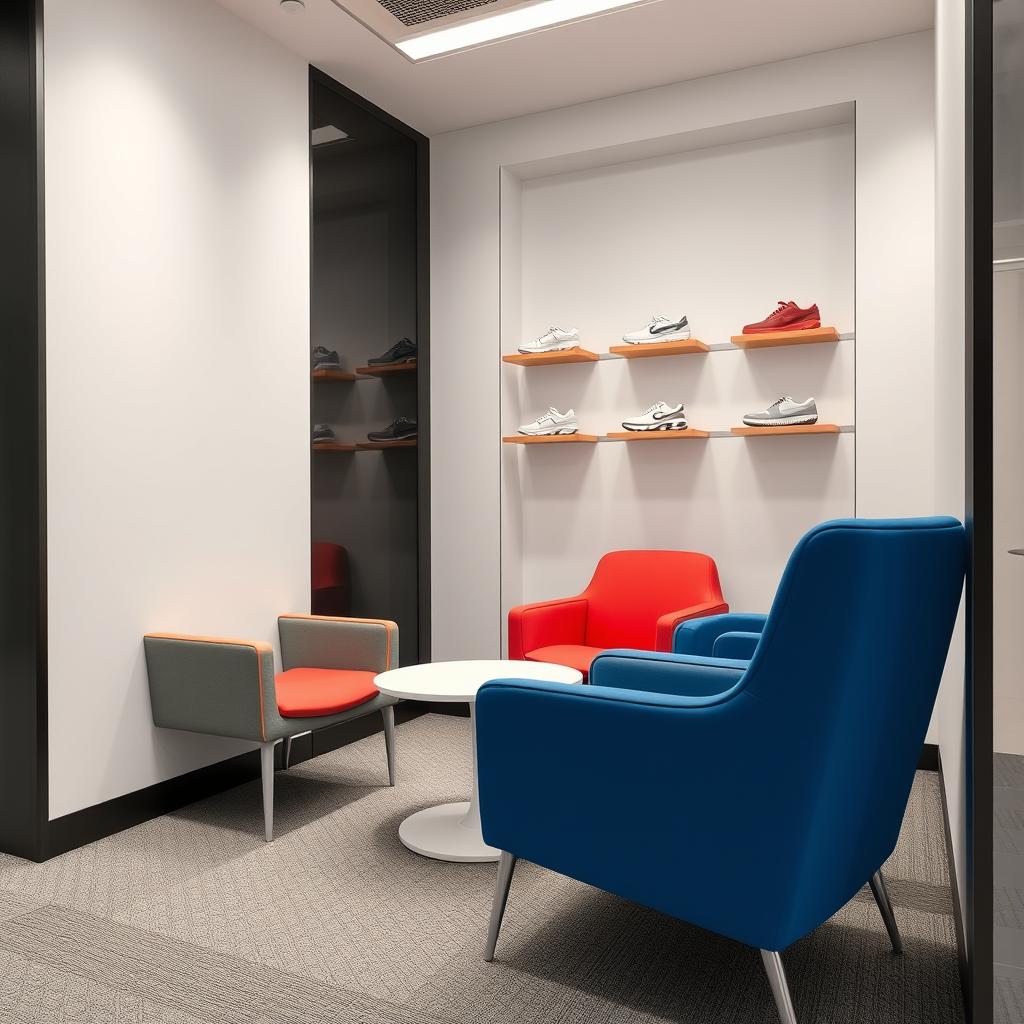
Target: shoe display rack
{"type": "Point", "coordinates": [364, 373]}
{"type": "Point", "coordinates": [692, 346]}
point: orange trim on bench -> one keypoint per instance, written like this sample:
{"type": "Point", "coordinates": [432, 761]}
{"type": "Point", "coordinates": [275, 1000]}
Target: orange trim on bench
{"type": "Point", "coordinates": [260, 647]}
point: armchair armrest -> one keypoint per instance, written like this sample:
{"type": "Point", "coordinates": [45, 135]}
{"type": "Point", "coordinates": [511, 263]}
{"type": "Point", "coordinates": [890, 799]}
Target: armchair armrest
{"type": "Point", "coordinates": [321, 641]}
{"type": "Point", "coordinates": [668, 623]}
{"type": "Point", "coordinates": [698, 636]}
{"type": "Point", "coordinates": [656, 672]}
{"type": "Point", "coordinates": [545, 624]}
{"type": "Point", "coordinates": [211, 685]}
{"type": "Point", "coordinates": [737, 645]}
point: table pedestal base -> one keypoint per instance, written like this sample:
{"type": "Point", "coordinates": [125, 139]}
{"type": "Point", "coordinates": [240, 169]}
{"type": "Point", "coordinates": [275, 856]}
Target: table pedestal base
{"type": "Point", "coordinates": [447, 832]}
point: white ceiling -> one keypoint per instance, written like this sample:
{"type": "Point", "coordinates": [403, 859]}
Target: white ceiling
{"type": "Point", "coordinates": [619, 52]}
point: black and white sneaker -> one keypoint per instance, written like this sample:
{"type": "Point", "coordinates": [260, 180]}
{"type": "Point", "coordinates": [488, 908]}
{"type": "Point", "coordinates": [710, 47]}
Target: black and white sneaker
{"type": "Point", "coordinates": [403, 429]}
{"type": "Point", "coordinates": [325, 359]}
{"type": "Point", "coordinates": [659, 329]}
{"type": "Point", "coordinates": [323, 433]}
{"type": "Point", "coordinates": [660, 416]}
{"type": "Point", "coordinates": [403, 351]}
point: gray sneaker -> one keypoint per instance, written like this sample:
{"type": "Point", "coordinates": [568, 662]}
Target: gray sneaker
{"type": "Point", "coordinates": [784, 412]}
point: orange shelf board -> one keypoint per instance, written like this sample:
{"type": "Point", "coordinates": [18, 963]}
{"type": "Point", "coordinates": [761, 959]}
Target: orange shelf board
{"type": "Point", "coordinates": [780, 338]}
{"type": "Point", "coordinates": [333, 446]}
{"type": "Point", "coordinates": [552, 439]}
{"type": "Point", "coordinates": [333, 375]}
{"type": "Point", "coordinates": [659, 435]}
{"type": "Point", "coordinates": [388, 370]}
{"type": "Point", "coordinates": [376, 446]}
{"type": "Point", "coordinates": [572, 355]}
{"type": "Point", "coordinates": [659, 348]}
{"type": "Point", "coordinates": [803, 428]}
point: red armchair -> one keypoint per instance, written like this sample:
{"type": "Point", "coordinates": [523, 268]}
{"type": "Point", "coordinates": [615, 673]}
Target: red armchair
{"type": "Point", "coordinates": [636, 599]}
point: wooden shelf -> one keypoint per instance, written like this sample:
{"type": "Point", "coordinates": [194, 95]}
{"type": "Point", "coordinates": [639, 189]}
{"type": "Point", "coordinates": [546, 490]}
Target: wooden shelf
{"type": "Point", "coordinates": [387, 370]}
{"type": "Point", "coordinates": [803, 428]}
{"type": "Point", "coordinates": [334, 375]}
{"type": "Point", "coordinates": [333, 446]}
{"type": "Point", "coordinates": [780, 338]}
{"type": "Point", "coordinates": [659, 348]}
{"type": "Point", "coordinates": [572, 355]}
{"type": "Point", "coordinates": [552, 439]}
{"type": "Point", "coordinates": [659, 435]}
{"type": "Point", "coordinates": [379, 446]}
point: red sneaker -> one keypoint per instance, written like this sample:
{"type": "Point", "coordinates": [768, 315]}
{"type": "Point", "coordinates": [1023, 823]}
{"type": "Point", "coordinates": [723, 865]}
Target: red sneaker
{"type": "Point", "coordinates": [788, 317]}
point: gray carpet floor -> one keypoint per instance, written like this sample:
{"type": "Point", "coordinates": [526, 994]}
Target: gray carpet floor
{"type": "Point", "coordinates": [1008, 937]}
{"type": "Point", "coordinates": [193, 919]}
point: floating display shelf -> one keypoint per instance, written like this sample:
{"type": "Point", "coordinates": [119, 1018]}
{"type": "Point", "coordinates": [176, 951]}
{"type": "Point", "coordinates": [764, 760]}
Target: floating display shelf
{"type": "Point", "coordinates": [333, 446]}
{"type": "Point", "coordinates": [334, 375]}
{"type": "Point", "coordinates": [377, 446]}
{"type": "Point", "coordinates": [388, 370]}
{"type": "Point", "coordinates": [552, 439]}
{"type": "Point", "coordinates": [572, 355]}
{"type": "Point", "coordinates": [659, 348]}
{"type": "Point", "coordinates": [777, 339]}
{"type": "Point", "coordinates": [803, 428]}
{"type": "Point", "coordinates": [659, 435]}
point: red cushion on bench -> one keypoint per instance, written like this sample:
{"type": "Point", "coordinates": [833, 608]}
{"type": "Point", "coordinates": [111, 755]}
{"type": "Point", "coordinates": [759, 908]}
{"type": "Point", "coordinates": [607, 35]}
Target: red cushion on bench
{"type": "Point", "coordinates": [309, 692]}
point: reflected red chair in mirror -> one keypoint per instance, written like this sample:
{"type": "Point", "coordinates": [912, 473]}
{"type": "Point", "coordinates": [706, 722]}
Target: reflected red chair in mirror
{"type": "Point", "coordinates": [635, 600]}
{"type": "Point", "coordinates": [331, 593]}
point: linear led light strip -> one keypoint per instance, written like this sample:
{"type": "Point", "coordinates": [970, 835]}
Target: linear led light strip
{"type": "Point", "coordinates": [507, 23]}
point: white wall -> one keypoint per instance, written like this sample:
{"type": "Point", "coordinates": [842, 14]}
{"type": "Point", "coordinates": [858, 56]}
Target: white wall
{"type": "Point", "coordinates": [696, 232]}
{"type": "Point", "coordinates": [949, 720]}
{"type": "Point", "coordinates": [892, 84]}
{"type": "Point", "coordinates": [177, 210]}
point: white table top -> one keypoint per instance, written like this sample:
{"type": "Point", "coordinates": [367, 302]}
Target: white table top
{"type": "Point", "coordinates": [459, 680]}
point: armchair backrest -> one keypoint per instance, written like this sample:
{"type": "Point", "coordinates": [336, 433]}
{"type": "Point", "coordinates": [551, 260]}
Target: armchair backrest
{"type": "Point", "coordinates": [844, 681]}
{"type": "Point", "coordinates": [630, 590]}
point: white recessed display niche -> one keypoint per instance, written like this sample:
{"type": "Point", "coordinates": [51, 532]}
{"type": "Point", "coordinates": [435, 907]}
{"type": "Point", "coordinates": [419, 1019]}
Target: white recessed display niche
{"type": "Point", "coordinates": [719, 224]}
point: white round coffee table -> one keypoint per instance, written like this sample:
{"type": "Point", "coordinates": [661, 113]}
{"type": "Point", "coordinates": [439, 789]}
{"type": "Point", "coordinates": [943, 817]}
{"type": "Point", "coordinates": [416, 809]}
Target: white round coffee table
{"type": "Point", "coordinates": [452, 831]}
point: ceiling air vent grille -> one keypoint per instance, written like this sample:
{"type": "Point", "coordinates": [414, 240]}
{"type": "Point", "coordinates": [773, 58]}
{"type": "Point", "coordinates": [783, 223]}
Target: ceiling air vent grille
{"type": "Point", "coordinates": [418, 12]}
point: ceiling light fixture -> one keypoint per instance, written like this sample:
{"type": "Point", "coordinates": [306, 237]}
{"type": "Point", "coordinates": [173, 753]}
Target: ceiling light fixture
{"type": "Point", "coordinates": [292, 6]}
{"type": "Point", "coordinates": [508, 23]}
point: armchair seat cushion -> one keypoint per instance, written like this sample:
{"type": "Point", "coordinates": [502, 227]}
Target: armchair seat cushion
{"type": "Point", "coordinates": [577, 656]}
{"type": "Point", "coordinates": [310, 692]}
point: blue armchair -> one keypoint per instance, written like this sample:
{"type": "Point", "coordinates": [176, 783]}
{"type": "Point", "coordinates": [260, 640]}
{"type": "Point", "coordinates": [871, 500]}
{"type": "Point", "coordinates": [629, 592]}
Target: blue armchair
{"type": "Point", "coordinates": [755, 798]}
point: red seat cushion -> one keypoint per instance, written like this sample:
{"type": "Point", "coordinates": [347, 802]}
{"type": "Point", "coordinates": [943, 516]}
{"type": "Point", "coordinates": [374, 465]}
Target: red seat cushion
{"type": "Point", "coordinates": [573, 655]}
{"type": "Point", "coordinates": [309, 692]}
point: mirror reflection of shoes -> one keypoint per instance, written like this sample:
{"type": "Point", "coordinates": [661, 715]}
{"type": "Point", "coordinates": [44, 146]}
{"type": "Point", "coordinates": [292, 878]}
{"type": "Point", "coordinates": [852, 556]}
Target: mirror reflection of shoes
{"type": "Point", "coordinates": [322, 433]}
{"type": "Point", "coordinates": [403, 351]}
{"type": "Point", "coordinates": [325, 359]}
{"type": "Point", "coordinates": [403, 429]}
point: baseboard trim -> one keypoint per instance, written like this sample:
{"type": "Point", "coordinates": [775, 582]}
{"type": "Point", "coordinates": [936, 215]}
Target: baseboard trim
{"type": "Point", "coordinates": [958, 917]}
{"type": "Point", "coordinates": [92, 823]}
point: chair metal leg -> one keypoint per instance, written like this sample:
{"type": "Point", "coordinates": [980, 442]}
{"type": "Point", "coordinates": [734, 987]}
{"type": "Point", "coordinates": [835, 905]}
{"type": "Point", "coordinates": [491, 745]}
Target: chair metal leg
{"type": "Point", "coordinates": [286, 761]}
{"type": "Point", "coordinates": [506, 865]}
{"type": "Point", "coordinates": [780, 987]}
{"type": "Point", "coordinates": [267, 774]}
{"type": "Point", "coordinates": [881, 894]}
{"type": "Point", "coordinates": [388, 714]}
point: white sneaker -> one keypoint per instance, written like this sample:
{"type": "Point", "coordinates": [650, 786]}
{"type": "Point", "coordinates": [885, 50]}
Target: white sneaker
{"type": "Point", "coordinates": [552, 422]}
{"type": "Point", "coordinates": [660, 416]}
{"type": "Point", "coordinates": [784, 412]}
{"type": "Point", "coordinates": [555, 340]}
{"type": "Point", "coordinates": [659, 329]}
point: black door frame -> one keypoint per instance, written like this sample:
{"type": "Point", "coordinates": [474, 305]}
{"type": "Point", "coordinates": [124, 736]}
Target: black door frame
{"type": "Point", "coordinates": [319, 77]}
{"type": "Point", "coordinates": [978, 384]}
{"type": "Point", "coordinates": [24, 752]}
